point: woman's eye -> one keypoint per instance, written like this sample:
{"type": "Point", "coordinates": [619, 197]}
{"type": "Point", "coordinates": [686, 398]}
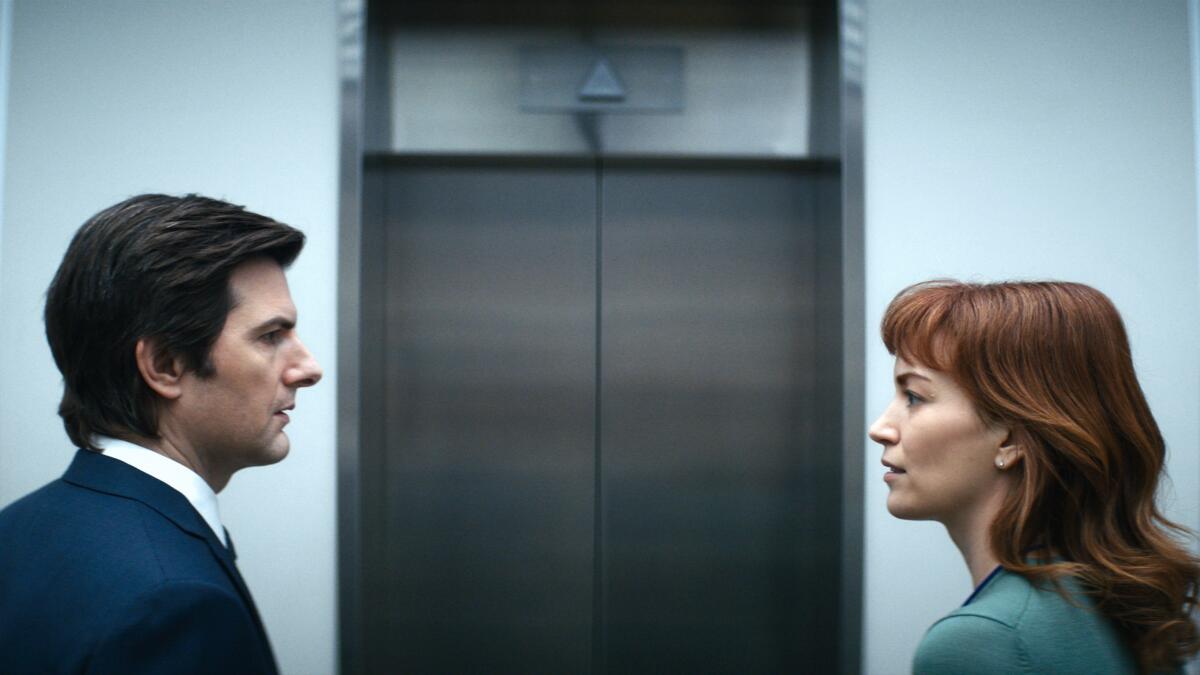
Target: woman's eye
{"type": "Point", "coordinates": [912, 398]}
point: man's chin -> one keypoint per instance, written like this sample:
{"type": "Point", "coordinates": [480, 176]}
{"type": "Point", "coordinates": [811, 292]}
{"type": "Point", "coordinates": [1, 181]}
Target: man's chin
{"type": "Point", "coordinates": [280, 450]}
{"type": "Point", "coordinates": [273, 453]}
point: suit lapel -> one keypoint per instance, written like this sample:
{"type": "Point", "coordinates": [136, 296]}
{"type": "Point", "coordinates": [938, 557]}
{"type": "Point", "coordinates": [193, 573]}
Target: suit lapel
{"type": "Point", "coordinates": [228, 558]}
{"type": "Point", "coordinates": [94, 471]}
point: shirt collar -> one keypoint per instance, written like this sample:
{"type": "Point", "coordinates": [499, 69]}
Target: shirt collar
{"type": "Point", "coordinates": [987, 580]}
{"type": "Point", "coordinates": [185, 481]}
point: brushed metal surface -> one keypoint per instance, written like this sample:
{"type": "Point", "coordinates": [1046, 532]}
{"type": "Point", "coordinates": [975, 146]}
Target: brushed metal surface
{"type": "Point", "coordinates": [721, 480]}
{"type": "Point", "coordinates": [850, 213]}
{"type": "Point", "coordinates": [486, 508]}
{"type": "Point", "coordinates": [351, 39]}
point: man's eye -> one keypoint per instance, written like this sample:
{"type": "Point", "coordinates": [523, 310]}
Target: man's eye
{"type": "Point", "coordinates": [273, 337]}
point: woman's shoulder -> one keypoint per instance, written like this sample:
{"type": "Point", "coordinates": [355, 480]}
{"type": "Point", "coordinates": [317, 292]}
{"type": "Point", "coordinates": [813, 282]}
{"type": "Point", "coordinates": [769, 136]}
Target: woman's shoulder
{"type": "Point", "coordinates": [966, 642]}
{"type": "Point", "coordinates": [1014, 626]}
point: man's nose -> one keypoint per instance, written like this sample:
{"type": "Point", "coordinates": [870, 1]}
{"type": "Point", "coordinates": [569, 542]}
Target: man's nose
{"type": "Point", "coordinates": [305, 371]}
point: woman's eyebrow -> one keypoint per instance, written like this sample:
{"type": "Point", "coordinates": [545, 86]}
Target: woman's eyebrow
{"type": "Point", "coordinates": [904, 377]}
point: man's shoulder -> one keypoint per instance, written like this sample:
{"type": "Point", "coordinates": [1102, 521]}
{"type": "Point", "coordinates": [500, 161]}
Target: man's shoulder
{"type": "Point", "coordinates": [61, 511]}
{"type": "Point", "coordinates": [61, 507]}
{"type": "Point", "coordinates": [98, 534]}
{"type": "Point", "coordinates": [41, 499]}
{"type": "Point", "coordinates": [76, 559]}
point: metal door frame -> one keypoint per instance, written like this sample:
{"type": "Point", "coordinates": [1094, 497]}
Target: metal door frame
{"type": "Point", "coordinates": [357, 311]}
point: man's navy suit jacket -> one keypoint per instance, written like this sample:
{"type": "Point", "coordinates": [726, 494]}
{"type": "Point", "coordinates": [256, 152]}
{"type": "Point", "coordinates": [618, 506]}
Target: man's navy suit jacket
{"type": "Point", "coordinates": [108, 570]}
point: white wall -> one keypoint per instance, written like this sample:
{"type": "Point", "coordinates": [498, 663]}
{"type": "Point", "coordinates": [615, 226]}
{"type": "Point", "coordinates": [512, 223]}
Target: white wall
{"type": "Point", "coordinates": [5, 44]}
{"type": "Point", "coordinates": [1027, 139]}
{"type": "Point", "coordinates": [1017, 139]}
{"type": "Point", "coordinates": [233, 99]}
{"type": "Point", "coordinates": [1194, 33]}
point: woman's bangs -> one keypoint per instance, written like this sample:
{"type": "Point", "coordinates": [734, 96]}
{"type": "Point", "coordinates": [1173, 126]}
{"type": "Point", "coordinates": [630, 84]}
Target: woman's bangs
{"type": "Point", "coordinates": [917, 327]}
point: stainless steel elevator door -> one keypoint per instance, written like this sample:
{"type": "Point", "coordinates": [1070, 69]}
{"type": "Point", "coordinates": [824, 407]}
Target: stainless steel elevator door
{"type": "Point", "coordinates": [484, 560]}
{"type": "Point", "coordinates": [721, 494]}
{"type": "Point", "coordinates": [635, 337]}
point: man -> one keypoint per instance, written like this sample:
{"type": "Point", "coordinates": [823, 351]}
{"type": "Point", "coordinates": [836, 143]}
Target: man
{"type": "Point", "coordinates": [172, 324]}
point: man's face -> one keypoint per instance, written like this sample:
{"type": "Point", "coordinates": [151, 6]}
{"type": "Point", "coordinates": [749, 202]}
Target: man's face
{"type": "Point", "coordinates": [235, 417]}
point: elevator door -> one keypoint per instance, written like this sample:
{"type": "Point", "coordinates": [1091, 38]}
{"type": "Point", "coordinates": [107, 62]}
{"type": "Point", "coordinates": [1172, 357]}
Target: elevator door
{"type": "Point", "coordinates": [601, 450]}
{"type": "Point", "coordinates": [484, 556]}
{"type": "Point", "coordinates": [720, 501]}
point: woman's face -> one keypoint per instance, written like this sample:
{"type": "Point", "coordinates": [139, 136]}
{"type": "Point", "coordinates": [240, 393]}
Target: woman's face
{"type": "Point", "coordinates": [941, 456]}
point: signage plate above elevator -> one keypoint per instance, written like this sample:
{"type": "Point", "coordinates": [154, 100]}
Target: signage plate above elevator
{"type": "Point", "coordinates": [601, 79]}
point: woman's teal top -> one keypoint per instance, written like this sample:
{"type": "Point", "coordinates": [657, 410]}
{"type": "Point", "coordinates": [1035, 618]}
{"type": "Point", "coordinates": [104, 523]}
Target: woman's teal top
{"type": "Point", "coordinates": [1011, 626]}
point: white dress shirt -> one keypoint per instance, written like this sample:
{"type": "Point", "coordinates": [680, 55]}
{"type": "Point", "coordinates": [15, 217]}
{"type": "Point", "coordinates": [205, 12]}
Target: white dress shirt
{"type": "Point", "coordinates": [185, 481]}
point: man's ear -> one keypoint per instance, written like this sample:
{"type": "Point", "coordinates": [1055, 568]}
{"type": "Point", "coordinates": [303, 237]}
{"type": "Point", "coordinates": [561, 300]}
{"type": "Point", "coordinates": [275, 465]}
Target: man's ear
{"type": "Point", "coordinates": [161, 371]}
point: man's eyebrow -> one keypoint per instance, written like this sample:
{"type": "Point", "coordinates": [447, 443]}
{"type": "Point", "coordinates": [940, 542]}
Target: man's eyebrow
{"type": "Point", "coordinates": [274, 322]}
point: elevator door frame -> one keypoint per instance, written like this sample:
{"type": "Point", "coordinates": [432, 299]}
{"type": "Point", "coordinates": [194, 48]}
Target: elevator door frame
{"type": "Point", "coordinates": [360, 316]}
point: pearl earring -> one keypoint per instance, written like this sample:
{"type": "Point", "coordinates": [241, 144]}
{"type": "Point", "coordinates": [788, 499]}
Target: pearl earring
{"type": "Point", "coordinates": [999, 463]}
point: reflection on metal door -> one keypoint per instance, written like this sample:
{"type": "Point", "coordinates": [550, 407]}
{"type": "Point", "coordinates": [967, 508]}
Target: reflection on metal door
{"type": "Point", "coordinates": [720, 499]}
{"type": "Point", "coordinates": [485, 563]}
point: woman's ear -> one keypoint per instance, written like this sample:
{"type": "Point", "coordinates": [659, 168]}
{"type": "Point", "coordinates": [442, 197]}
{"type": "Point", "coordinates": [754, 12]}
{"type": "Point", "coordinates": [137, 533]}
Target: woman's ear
{"type": "Point", "coordinates": [1010, 453]}
{"type": "Point", "coordinates": [161, 371]}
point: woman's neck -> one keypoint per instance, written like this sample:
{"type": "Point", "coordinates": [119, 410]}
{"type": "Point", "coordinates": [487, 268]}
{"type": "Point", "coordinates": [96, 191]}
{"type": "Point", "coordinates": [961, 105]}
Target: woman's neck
{"type": "Point", "coordinates": [972, 534]}
{"type": "Point", "coordinates": [977, 552]}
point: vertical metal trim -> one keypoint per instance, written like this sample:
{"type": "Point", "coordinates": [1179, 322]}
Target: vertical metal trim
{"type": "Point", "coordinates": [351, 15]}
{"type": "Point", "coordinates": [599, 632]}
{"type": "Point", "coordinates": [851, 27]}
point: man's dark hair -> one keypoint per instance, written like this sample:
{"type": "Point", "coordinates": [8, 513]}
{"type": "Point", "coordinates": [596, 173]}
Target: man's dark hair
{"type": "Point", "coordinates": [156, 267]}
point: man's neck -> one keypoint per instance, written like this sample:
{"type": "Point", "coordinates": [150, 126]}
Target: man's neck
{"type": "Point", "coordinates": [167, 446]}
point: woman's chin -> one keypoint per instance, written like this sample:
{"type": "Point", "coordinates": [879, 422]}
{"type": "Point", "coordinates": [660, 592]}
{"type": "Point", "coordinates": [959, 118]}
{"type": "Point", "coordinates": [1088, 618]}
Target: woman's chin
{"type": "Point", "coordinates": [900, 509]}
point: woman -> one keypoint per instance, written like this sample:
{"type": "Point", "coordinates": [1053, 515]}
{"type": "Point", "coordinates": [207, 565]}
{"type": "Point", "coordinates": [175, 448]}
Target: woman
{"type": "Point", "coordinates": [1019, 424]}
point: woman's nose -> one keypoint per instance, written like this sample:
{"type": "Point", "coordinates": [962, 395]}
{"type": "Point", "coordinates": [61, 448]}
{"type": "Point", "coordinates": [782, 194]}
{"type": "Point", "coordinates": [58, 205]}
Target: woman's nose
{"type": "Point", "coordinates": [882, 431]}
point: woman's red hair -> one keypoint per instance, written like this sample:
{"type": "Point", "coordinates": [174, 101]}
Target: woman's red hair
{"type": "Point", "coordinates": [1051, 361]}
